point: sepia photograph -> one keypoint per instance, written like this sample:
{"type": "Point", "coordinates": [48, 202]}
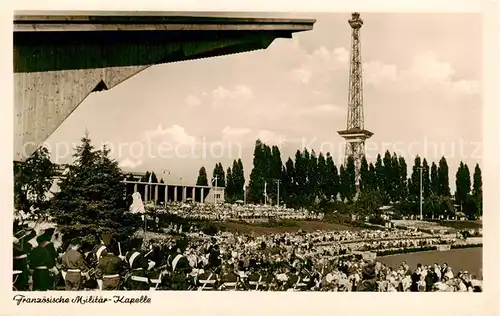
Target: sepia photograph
{"type": "Point", "coordinates": [240, 151]}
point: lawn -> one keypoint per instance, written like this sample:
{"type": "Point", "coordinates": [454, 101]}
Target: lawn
{"type": "Point", "coordinates": [307, 226]}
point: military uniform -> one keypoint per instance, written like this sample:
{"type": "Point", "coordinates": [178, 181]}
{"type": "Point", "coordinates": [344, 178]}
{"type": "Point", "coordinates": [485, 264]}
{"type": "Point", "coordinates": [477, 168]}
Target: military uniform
{"type": "Point", "coordinates": [254, 281]}
{"type": "Point", "coordinates": [180, 268]}
{"type": "Point", "coordinates": [138, 279]}
{"type": "Point", "coordinates": [207, 281]}
{"type": "Point", "coordinates": [20, 265]}
{"type": "Point", "coordinates": [73, 264]}
{"type": "Point", "coordinates": [229, 281]}
{"type": "Point", "coordinates": [41, 261]}
{"type": "Point", "coordinates": [110, 269]}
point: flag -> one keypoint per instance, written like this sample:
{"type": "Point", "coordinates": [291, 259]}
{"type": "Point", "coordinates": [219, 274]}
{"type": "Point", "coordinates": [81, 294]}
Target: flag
{"type": "Point", "coordinates": [265, 189]}
{"type": "Point", "coordinates": [150, 177]}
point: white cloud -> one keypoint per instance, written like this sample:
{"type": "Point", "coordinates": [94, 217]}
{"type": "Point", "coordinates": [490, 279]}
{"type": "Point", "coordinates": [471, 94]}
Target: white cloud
{"type": "Point", "coordinates": [322, 109]}
{"type": "Point", "coordinates": [129, 164]}
{"type": "Point", "coordinates": [318, 63]}
{"type": "Point", "coordinates": [230, 96]}
{"type": "Point", "coordinates": [193, 101]}
{"type": "Point", "coordinates": [376, 73]}
{"type": "Point", "coordinates": [426, 72]}
{"type": "Point", "coordinates": [232, 132]}
{"type": "Point", "coordinates": [174, 133]}
{"type": "Point", "coordinates": [270, 137]}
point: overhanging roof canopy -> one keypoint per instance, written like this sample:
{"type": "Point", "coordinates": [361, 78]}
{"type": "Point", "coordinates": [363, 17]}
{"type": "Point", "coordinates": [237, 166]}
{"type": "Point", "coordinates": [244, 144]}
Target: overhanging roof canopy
{"type": "Point", "coordinates": [86, 41]}
{"type": "Point", "coordinates": [60, 58]}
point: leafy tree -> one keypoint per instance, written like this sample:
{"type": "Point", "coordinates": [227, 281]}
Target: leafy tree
{"type": "Point", "coordinates": [32, 182]}
{"type": "Point", "coordinates": [202, 177]}
{"type": "Point", "coordinates": [91, 197]}
{"type": "Point", "coordinates": [443, 176]}
{"type": "Point", "coordinates": [436, 206]}
{"type": "Point", "coordinates": [368, 202]}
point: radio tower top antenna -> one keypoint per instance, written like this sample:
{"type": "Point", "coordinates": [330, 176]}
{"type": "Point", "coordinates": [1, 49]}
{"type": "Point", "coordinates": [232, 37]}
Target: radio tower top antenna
{"type": "Point", "coordinates": [355, 133]}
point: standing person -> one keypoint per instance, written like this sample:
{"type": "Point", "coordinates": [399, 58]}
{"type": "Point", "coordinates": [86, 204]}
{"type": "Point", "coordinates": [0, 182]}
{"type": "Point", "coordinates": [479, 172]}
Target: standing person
{"type": "Point", "coordinates": [43, 264]}
{"type": "Point", "coordinates": [415, 278]}
{"type": "Point", "coordinates": [110, 268]}
{"type": "Point", "coordinates": [73, 264]}
{"type": "Point", "coordinates": [20, 263]}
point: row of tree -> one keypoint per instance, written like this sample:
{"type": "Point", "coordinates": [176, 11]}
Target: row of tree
{"type": "Point", "coordinates": [312, 178]}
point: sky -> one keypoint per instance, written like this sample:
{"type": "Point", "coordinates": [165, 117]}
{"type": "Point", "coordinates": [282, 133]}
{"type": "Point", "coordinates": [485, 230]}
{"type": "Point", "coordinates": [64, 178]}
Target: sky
{"type": "Point", "coordinates": [422, 95]}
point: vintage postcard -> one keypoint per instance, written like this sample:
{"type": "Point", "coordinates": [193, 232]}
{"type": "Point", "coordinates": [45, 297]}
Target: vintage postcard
{"type": "Point", "coordinates": [161, 154]}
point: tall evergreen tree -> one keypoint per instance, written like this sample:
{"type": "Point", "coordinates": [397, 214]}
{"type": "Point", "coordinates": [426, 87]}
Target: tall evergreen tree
{"type": "Point", "coordinates": [403, 179]}
{"type": "Point", "coordinates": [379, 174]}
{"type": "Point", "coordinates": [350, 180]}
{"type": "Point", "coordinates": [434, 179]}
{"type": "Point", "coordinates": [238, 179]}
{"type": "Point", "coordinates": [372, 177]}
{"type": "Point", "coordinates": [91, 197]}
{"type": "Point", "coordinates": [414, 190]}
{"type": "Point", "coordinates": [321, 176]}
{"type": "Point", "coordinates": [289, 181]}
{"type": "Point", "coordinates": [202, 177]}
{"type": "Point", "coordinates": [477, 189]}
{"type": "Point", "coordinates": [388, 183]}
{"type": "Point", "coordinates": [301, 164]}
{"type": "Point", "coordinates": [332, 178]}
{"type": "Point", "coordinates": [395, 176]}
{"type": "Point", "coordinates": [463, 185]}
{"type": "Point", "coordinates": [229, 192]}
{"type": "Point", "coordinates": [365, 181]}
{"type": "Point", "coordinates": [443, 176]}
{"type": "Point", "coordinates": [342, 184]}
{"type": "Point", "coordinates": [220, 174]}
{"type": "Point", "coordinates": [256, 182]}
{"type": "Point", "coordinates": [426, 180]}
{"type": "Point", "coordinates": [313, 175]}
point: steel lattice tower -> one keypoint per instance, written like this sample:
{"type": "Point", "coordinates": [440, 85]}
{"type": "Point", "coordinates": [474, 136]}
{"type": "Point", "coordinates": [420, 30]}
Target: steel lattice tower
{"type": "Point", "coordinates": [355, 134]}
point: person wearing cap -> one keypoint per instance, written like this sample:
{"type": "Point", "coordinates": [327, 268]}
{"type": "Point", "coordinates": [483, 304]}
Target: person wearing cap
{"type": "Point", "coordinates": [110, 268]}
{"type": "Point", "coordinates": [74, 265]}
{"type": "Point", "coordinates": [42, 262]}
{"type": "Point", "coordinates": [180, 267]}
{"type": "Point", "coordinates": [138, 265]}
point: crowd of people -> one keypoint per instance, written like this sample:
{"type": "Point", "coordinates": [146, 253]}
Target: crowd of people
{"type": "Point", "coordinates": [317, 261]}
{"type": "Point", "coordinates": [227, 211]}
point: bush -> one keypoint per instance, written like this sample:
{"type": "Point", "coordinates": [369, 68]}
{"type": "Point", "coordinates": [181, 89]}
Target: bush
{"type": "Point", "coordinates": [209, 229]}
{"type": "Point", "coordinates": [377, 220]}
